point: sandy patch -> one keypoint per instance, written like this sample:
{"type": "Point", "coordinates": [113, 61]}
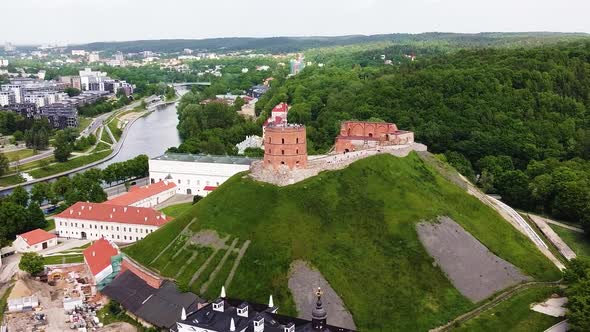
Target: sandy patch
{"type": "Point", "coordinates": [303, 281]}
{"type": "Point", "coordinates": [475, 271]}
{"type": "Point", "coordinates": [118, 327]}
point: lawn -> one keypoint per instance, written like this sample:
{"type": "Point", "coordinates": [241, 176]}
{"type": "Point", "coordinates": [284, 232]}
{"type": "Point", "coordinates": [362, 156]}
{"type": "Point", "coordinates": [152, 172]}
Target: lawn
{"type": "Point", "coordinates": [10, 180]}
{"type": "Point", "coordinates": [50, 225]}
{"type": "Point", "coordinates": [101, 146]}
{"type": "Point", "coordinates": [68, 165]}
{"type": "Point", "coordinates": [515, 314]}
{"type": "Point", "coordinates": [83, 123]}
{"type": "Point", "coordinates": [176, 210]}
{"type": "Point", "coordinates": [357, 226]}
{"type": "Point", "coordinates": [3, 303]}
{"type": "Point", "coordinates": [20, 154]}
{"type": "Point", "coordinates": [115, 130]}
{"type": "Point", "coordinates": [63, 259]}
{"type": "Point", "coordinates": [34, 164]}
{"type": "Point", "coordinates": [578, 242]}
{"type": "Point", "coordinates": [105, 136]}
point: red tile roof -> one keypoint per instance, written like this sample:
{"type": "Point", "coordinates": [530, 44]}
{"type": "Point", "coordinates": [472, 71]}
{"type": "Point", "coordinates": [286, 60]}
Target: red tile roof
{"type": "Point", "coordinates": [37, 236]}
{"type": "Point", "coordinates": [98, 255]}
{"type": "Point", "coordinates": [281, 107]}
{"type": "Point", "coordinates": [137, 193]}
{"type": "Point", "coordinates": [115, 213]}
{"type": "Point", "coordinates": [209, 188]}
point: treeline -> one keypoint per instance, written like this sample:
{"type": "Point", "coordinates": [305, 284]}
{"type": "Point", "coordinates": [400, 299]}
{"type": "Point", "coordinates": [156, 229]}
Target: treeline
{"type": "Point", "coordinates": [35, 133]}
{"type": "Point", "coordinates": [524, 107]}
{"type": "Point", "coordinates": [102, 106]}
{"type": "Point", "coordinates": [19, 214]}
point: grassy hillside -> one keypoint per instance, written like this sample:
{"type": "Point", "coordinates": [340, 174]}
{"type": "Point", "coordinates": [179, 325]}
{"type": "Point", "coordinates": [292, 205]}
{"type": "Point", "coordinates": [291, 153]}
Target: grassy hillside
{"type": "Point", "coordinates": [357, 226]}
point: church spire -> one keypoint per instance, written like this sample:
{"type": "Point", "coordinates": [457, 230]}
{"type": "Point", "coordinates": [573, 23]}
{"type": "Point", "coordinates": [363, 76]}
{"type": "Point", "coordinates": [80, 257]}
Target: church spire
{"type": "Point", "coordinates": [319, 314]}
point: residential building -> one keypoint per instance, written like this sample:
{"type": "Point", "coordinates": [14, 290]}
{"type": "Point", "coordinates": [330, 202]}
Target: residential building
{"type": "Point", "coordinates": [4, 62]}
{"type": "Point", "coordinates": [257, 91]}
{"type": "Point", "coordinates": [93, 57]}
{"type": "Point", "coordinates": [27, 110]}
{"type": "Point", "coordinates": [196, 174]}
{"type": "Point", "coordinates": [225, 314]}
{"type": "Point", "coordinates": [146, 196]}
{"type": "Point", "coordinates": [60, 116]}
{"type": "Point", "coordinates": [6, 98]}
{"type": "Point", "coordinates": [121, 224]}
{"type": "Point", "coordinates": [34, 241]}
{"type": "Point", "coordinates": [78, 53]}
{"type": "Point", "coordinates": [94, 79]}
{"type": "Point", "coordinates": [101, 261]}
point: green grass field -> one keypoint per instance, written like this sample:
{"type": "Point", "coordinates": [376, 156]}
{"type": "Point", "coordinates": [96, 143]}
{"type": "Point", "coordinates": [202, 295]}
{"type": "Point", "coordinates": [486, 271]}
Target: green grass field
{"type": "Point", "coordinates": [105, 136]}
{"type": "Point", "coordinates": [578, 242]}
{"type": "Point", "coordinates": [101, 146]}
{"type": "Point", "coordinates": [515, 314]}
{"type": "Point", "coordinates": [176, 210]}
{"type": "Point", "coordinates": [63, 259]}
{"type": "Point", "coordinates": [33, 164]}
{"type": "Point", "coordinates": [115, 130]}
{"type": "Point", "coordinates": [83, 123]}
{"type": "Point", "coordinates": [68, 165]}
{"type": "Point", "coordinates": [50, 225]}
{"type": "Point", "coordinates": [10, 180]}
{"type": "Point", "coordinates": [357, 226]}
{"type": "Point", "coordinates": [19, 154]}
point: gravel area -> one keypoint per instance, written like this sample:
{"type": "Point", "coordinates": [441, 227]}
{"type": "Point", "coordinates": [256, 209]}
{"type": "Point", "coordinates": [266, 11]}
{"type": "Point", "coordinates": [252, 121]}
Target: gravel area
{"type": "Point", "coordinates": [475, 271]}
{"type": "Point", "coordinates": [209, 238]}
{"type": "Point", "coordinates": [303, 281]}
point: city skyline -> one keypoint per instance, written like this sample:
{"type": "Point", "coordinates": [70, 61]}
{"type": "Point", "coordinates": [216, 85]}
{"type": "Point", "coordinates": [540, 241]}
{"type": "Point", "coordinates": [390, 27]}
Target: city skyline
{"type": "Point", "coordinates": [76, 22]}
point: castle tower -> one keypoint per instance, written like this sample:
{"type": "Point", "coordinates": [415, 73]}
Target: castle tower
{"type": "Point", "coordinates": [285, 144]}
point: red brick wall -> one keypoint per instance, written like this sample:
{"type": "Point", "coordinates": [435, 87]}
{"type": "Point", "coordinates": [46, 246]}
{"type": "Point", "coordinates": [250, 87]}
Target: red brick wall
{"type": "Point", "coordinates": [148, 277]}
{"type": "Point", "coordinates": [285, 146]}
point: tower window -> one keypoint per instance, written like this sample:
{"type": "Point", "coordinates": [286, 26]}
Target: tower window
{"type": "Point", "coordinates": [297, 151]}
{"type": "Point", "coordinates": [282, 151]}
{"type": "Point", "coordinates": [297, 140]}
{"type": "Point", "coordinates": [270, 139]}
{"type": "Point", "coordinates": [283, 141]}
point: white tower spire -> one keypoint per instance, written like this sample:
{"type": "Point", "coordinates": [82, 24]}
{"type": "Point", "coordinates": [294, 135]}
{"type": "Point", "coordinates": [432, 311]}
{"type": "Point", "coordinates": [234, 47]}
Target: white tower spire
{"type": "Point", "coordinates": [232, 325]}
{"type": "Point", "coordinates": [270, 302]}
{"type": "Point", "coordinates": [183, 314]}
{"type": "Point", "coordinates": [222, 292]}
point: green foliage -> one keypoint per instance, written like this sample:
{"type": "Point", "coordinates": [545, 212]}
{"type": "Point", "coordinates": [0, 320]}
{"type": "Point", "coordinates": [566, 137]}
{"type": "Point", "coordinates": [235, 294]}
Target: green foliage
{"type": "Point", "coordinates": [32, 263]}
{"type": "Point", "coordinates": [72, 92]}
{"type": "Point", "coordinates": [4, 164]}
{"type": "Point", "coordinates": [37, 137]}
{"type": "Point", "coordinates": [254, 152]}
{"type": "Point", "coordinates": [63, 145]}
{"type": "Point", "coordinates": [19, 196]}
{"type": "Point", "coordinates": [361, 237]}
{"type": "Point", "coordinates": [102, 106]}
{"type": "Point", "coordinates": [57, 168]}
{"type": "Point", "coordinates": [123, 171]}
{"type": "Point", "coordinates": [578, 293]}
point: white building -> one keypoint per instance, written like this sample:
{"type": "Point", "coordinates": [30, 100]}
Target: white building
{"type": "Point", "coordinates": [253, 141]}
{"type": "Point", "coordinates": [121, 224]}
{"type": "Point", "coordinates": [6, 98]}
{"type": "Point", "coordinates": [78, 53]}
{"type": "Point", "coordinates": [97, 258]}
{"type": "Point", "coordinates": [34, 241]}
{"type": "Point", "coordinates": [146, 196]}
{"type": "Point", "coordinates": [196, 174]}
{"type": "Point", "coordinates": [3, 62]}
{"type": "Point", "coordinates": [93, 57]}
{"type": "Point", "coordinates": [87, 76]}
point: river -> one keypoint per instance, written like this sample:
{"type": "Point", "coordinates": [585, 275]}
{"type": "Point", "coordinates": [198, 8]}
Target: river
{"type": "Point", "coordinates": [151, 135]}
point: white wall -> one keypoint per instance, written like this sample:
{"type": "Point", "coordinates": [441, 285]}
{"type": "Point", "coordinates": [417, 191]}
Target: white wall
{"type": "Point", "coordinates": [117, 232]}
{"type": "Point", "coordinates": [21, 245]}
{"type": "Point", "coordinates": [152, 201]}
{"type": "Point", "coordinates": [193, 175]}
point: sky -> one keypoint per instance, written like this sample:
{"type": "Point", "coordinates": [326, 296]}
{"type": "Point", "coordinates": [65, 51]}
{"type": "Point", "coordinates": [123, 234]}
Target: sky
{"type": "Point", "coordinates": [82, 21]}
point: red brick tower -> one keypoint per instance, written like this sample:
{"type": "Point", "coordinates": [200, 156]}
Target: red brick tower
{"type": "Point", "coordinates": [285, 144]}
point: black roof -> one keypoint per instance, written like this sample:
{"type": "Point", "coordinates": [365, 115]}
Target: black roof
{"type": "Point", "coordinates": [160, 307]}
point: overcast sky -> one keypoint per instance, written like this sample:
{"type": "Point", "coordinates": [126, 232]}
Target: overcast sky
{"type": "Point", "coordinates": [81, 21]}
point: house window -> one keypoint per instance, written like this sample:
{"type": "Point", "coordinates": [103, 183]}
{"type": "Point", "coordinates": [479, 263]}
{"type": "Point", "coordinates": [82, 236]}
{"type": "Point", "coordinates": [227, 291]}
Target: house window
{"type": "Point", "coordinates": [188, 182]}
{"type": "Point", "coordinates": [117, 228]}
{"type": "Point", "coordinates": [118, 237]}
{"type": "Point", "coordinates": [179, 181]}
{"type": "Point", "coordinates": [124, 229]}
{"type": "Point", "coordinates": [125, 237]}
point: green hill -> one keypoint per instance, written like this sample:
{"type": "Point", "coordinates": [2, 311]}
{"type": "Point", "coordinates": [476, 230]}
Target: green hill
{"type": "Point", "coordinates": [357, 226]}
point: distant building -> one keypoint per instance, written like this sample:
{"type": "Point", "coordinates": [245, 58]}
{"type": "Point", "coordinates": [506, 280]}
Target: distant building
{"type": "Point", "coordinates": [78, 53]}
{"type": "Point", "coordinates": [297, 65]}
{"type": "Point", "coordinates": [257, 91]}
{"type": "Point", "coordinates": [6, 98]}
{"type": "Point", "coordinates": [226, 314]}
{"type": "Point", "coordinates": [93, 57]}
{"type": "Point", "coordinates": [278, 115]}
{"type": "Point", "coordinates": [4, 62]}
{"type": "Point", "coordinates": [60, 116]}
{"type": "Point", "coordinates": [27, 110]}
{"type": "Point", "coordinates": [92, 80]}
{"type": "Point", "coordinates": [252, 141]}
{"type": "Point", "coordinates": [358, 135]}
{"type": "Point", "coordinates": [120, 224]}
{"type": "Point", "coordinates": [146, 196]}
{"type": "Point", "coordinates": [34, 241]}
{"type": "Point", "coordinates": [196, 174]}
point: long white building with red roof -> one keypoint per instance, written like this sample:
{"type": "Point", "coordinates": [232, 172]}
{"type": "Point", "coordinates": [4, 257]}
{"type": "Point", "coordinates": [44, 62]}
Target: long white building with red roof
{"type": "Point", "coordinates": [121, 224]}
{"type": "Point", "coordinates": [146, 196]}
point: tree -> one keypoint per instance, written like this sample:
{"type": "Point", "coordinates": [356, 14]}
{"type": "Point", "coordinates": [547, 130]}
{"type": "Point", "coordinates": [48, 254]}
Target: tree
{"type": "Point", "coordinates": [39, 192]}
{"type": "Point", "coordinates": [577, 276]}
{"type": "Point", "coordinates": [19, 196]}
{"type": "Point", "coordinates": [36, 216]}
{"type": "Point", "coordinates": [254, 152]}
{"type": "Point", "coordinates": [72, 92]}
{"type": "Point", "coordinates": [18, 136]}
{"type": "Point", "coordinates": [4, 164]}
{"type": "Point", "coordinates": [32, 263]}
{"type": "Point", "coordinates": [513, 186]}
{"type": "Point", "coordinates": [63, 146]}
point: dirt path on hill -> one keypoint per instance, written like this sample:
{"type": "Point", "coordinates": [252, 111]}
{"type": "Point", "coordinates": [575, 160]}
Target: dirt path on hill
{"type": "Point", "coordinates": [474, 270]}
{"type": "Point", "coordinates": [231, 274]}
{"type": "Point", "coordinates": [219, 266]}
{"type": "Point", "coordinates": [303, 281]}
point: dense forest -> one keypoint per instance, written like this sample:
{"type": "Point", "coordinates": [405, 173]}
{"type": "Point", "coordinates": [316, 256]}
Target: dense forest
{"type": "Point", "coordinates": [515, 121]}
{"type": "Point", "coordinates": [295, 44]}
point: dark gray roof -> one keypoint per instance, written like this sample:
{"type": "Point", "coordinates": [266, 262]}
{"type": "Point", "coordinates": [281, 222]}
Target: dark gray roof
{"type": "Point", "coordinates": [161, 307]}
{"type": "Point", "coordinates": [207, 318]}
{"type": "Point", "coordinates": [202, 158]}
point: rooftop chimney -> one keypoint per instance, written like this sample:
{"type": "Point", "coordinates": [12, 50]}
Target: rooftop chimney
{"type": "Point", "coordinates": [90, 208]}
{"type": "Point", "coordinates": [93, 253]}
{"type": "Point", "coordinates": [258, 323]}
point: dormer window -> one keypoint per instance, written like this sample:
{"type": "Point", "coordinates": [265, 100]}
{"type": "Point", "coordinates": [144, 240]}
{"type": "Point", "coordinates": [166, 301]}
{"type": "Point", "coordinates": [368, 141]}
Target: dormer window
{"type": "Point", "coordinates": [218, 306]}
{"type": "Point", "coordinates": [258, 324]}
{"type": "Point", "coordinates": [289, 327]}
{"type": "Point", "coordinates": [243, 311]}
